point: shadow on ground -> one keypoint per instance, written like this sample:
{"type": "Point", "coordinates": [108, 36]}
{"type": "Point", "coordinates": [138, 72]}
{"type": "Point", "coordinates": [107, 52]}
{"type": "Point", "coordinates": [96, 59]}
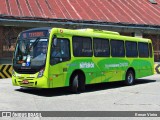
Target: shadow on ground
{"type": "Point", "coordinates": [89, 88]}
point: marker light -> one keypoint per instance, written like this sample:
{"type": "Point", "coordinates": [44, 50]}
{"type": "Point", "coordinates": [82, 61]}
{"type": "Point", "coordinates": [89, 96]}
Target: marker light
{"type": "Point", "coordinates": [40, 74]}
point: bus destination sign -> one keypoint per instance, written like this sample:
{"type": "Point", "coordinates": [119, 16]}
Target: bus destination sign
{"type": "Point", "coordinates": [33, 34]}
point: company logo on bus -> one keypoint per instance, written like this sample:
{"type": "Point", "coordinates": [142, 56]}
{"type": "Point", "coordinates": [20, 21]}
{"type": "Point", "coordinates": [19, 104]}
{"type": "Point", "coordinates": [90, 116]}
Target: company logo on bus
{"type": "Point", "coordinates": [86, 65]}
{"type": "Point", "coordinates": [116, 65]}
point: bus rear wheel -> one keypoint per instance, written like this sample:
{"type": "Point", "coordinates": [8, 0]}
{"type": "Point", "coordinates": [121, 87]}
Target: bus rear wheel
{"type": "Point", "coordinates": [77, 83]}
{"type": "Point", "coordinates": [130, 78]}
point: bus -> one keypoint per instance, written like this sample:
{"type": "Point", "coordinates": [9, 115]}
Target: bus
{"type": "Point", "coordinates": [57, 57]}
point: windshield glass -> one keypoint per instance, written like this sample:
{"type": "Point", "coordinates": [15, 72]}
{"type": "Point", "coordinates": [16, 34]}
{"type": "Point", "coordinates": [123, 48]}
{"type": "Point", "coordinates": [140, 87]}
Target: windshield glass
{"type": "Point", "coordinates": [31, 52]}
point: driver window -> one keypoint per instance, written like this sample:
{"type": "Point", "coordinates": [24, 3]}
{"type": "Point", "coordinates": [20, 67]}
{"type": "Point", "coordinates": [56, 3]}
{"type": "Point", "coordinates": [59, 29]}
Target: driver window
{"type": "Point", "coordinates": [60, 52]}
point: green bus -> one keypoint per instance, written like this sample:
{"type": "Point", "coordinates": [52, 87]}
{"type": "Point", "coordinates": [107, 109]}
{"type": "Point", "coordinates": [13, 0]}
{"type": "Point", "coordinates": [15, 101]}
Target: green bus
{"type": "Point", "coordinates": [57, 57]}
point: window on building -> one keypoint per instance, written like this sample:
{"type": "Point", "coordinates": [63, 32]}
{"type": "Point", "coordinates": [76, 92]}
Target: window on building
{"type": "Point", "coordinates": [153, 1]}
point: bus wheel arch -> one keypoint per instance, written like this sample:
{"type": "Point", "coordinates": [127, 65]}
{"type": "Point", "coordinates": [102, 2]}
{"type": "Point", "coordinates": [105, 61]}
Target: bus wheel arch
{"type": "Point", "coordinates": [130, 76]}
{"type": "Point", "coordinates": [77, 81]}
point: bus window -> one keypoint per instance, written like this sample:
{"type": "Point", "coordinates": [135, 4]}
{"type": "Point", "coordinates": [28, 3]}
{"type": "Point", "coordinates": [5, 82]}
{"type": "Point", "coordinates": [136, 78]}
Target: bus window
{"type": "Point", "coordinates": [82, 46]}
{"type": "Point", "coordinates": [150, 50]}
{"type": "Point", "coordinates": [60, 52]}
{"type": "Point", "coordinates": [131, 49]}
{"type": "Point", "coordinates": [117, 48]}
{"type": "Point", "coordinates": [101, 47]}
{"type": "Point", "coordinates": [143, 49]}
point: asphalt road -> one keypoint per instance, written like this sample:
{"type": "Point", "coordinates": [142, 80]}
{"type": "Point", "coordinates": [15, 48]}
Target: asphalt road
{"type": "Point", "coordinates": [143, 96]}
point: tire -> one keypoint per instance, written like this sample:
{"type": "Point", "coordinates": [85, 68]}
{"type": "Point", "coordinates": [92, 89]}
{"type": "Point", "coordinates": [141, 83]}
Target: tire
{"type": "Point", "coordinates": [81, 83]}
{"type": "Point", "coordinates": [130, 78]}
{"type": "Point", "coordinates": [74, 84]}
{"type": "Point", "coordinates": [77, 83]}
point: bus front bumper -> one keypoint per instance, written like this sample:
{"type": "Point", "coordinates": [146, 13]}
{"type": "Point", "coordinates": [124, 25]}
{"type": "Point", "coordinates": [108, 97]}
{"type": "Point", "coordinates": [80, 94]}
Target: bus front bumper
{"type": "Point", "coordinates": [27, 80]}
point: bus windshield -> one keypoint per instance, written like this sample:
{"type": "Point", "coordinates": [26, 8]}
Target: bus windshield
{"type": "Point", "coordinates": [31, 52]}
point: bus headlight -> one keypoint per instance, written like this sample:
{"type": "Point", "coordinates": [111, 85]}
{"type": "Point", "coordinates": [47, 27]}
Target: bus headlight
{"type": "Point", "coordinates": [40, 74]}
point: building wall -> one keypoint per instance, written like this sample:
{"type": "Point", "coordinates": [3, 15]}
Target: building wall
{"type": "Point", "coordinates": [7, 44]}
{"type": "Point", "coordinates": [156, 45]}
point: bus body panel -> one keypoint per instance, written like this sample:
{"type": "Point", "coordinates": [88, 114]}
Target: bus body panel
{"type": "Point", "coordinates": [33, 81]}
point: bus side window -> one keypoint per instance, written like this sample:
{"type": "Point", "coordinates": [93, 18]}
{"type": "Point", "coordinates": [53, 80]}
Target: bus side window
{"type": "Point", "coordinates": [150, 50]}
{"type": "Point", "coordinates": [60, 52]}
{"type": "Point", "coordinates": [76, 49]}
{"type": "Point", "coordinates": [131, 49]}
{"type": "Point", "coordinates": [143, 49]}
{"type": "Point", "coordinates": [82, 46]}
{"type": "Point", "coordinates": [101, 47]}
{"type": "Point", "coordinates": [117, 48]}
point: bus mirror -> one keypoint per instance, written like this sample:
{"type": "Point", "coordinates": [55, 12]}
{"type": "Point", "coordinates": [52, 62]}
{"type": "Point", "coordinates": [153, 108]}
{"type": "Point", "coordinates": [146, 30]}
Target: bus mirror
{"type": "Point", "coordinates": [55, 41]}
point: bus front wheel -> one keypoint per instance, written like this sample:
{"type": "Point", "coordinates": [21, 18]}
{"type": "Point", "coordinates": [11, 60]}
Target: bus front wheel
{"type": "Point", "coordinates": [74, 84]}
{"type": "Point", "coordinates": [130, 78]}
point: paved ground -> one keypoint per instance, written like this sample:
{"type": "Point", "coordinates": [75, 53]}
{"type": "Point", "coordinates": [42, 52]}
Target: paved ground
{"type": "Point", "coordinates": [143, 96]}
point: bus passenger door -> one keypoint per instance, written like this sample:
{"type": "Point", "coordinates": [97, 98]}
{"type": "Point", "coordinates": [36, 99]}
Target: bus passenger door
{"type": "Point", "coordinates": [60, 54]}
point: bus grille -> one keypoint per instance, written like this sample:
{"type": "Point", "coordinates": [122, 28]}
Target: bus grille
{"type": "Point", "coordinates": [26, 78]}
{"type": "Point", "coordinates": [31, 71]}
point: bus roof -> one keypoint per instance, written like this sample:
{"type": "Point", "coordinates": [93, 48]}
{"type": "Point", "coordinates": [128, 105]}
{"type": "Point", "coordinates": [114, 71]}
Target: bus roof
{"type": "Point", "coordinates": [100, 34]}
{"type": "Point", "coordinates": [99, 31]}
{"type": "Point", "coordinates": [39, 29]}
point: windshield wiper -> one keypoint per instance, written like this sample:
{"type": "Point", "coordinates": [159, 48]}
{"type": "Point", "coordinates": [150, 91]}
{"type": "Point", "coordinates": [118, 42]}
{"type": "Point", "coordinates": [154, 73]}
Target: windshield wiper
{"type": "Point", "coordinates": [34, 43]}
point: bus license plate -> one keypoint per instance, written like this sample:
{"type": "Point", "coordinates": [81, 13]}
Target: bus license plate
{"type": "Point", "coordinates": [25, 81]}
